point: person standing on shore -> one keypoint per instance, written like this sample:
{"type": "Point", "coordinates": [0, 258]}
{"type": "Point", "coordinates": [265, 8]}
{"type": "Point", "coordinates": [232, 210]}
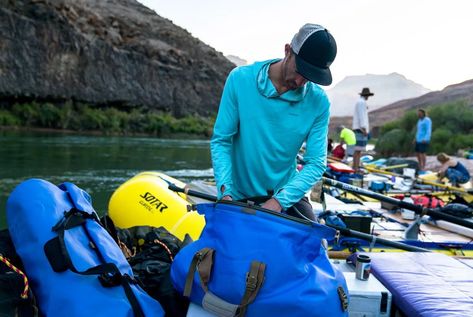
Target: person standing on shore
{"type": "Point", "coordinates": [422, 139]}
{"type": "Point", "coordinates": [361, 126]}
{"type": "Point", "coordinates": [267, 110]}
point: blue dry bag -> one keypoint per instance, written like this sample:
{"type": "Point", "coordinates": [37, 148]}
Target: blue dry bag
{"type": "Point", "coordinates": [253, 262]}
{"type": "Point", "coordinates": [74, 265]}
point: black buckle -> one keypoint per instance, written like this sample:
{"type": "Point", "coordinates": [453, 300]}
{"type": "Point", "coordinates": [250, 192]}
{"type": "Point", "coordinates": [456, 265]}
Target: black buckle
{"type": "Point", "coordinates": [110, 280]}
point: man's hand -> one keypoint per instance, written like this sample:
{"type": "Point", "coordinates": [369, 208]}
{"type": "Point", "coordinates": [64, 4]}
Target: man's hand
{"type": "Point", "coordinates": [226, 197]}
{"type": "Point", "coordinates": [272, 204]}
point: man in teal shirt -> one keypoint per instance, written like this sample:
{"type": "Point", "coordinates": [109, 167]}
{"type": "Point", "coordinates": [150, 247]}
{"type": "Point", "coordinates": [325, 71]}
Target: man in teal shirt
{"type": "Point", "coordinates": [422, 139]}
{"type": "Point", "coordinates": [268, 109]}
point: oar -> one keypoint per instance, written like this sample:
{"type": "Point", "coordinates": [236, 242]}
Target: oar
{"type": "Point", "coordinates": [191, 192]}
{"type": "Point", "coordinates": [418, 180]}
{"type": "Point", "coordinates": [394, 166]}
{"type": "Point", "coordinates": [418, 209]}
{"type": "Point", "coordinates": [345, 231]}
{"type": "Point", "coordinates": [373, 239]}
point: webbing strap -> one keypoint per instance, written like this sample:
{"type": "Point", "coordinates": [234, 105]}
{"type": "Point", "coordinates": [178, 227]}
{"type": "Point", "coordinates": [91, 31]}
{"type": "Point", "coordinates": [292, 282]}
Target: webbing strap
{"type": "Point", "coordinates": [254, 281]}
{"type": "Point", "coordinates": [198, 256]}
{"type": "Point", "coordinates": [202, 262]}
{"type": "Point", "coordinates": [108, 273]}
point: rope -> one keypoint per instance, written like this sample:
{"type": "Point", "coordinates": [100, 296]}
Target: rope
{"type": "Point", "coordinates": [165, 248]}
{"type": "Point", "coordinates": [24, 294]}
{"type": "Point", "coordinates": [126, 251]}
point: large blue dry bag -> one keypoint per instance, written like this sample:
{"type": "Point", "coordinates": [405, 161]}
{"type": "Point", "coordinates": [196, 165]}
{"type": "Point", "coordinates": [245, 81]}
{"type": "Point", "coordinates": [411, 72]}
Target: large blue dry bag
{"type": "Point", "coordinates": [74, 265]}
{"type": "Point", "coordinates": [257, 263]}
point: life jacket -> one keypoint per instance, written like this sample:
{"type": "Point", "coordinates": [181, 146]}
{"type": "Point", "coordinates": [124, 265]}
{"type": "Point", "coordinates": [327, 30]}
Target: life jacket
{"type": "Point", "coordinates": [74, 265]}
{"type": "Point", "coordinates": [253, 262]}
{"type": "Point", "coordinates": [427, 201]}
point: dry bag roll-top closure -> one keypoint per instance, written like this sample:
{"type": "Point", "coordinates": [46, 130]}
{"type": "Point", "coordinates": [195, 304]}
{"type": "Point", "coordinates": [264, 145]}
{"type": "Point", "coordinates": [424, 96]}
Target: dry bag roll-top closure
{"type": "Point", "coordinates": [107, 273]}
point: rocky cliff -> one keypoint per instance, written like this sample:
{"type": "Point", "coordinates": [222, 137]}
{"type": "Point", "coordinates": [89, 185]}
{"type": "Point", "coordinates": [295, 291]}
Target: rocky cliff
{"type": "Point", "coordinates": [106, 52]}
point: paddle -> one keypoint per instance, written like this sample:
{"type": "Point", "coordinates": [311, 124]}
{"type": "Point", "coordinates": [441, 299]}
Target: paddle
{"type": "Point", "coordinates": [419, 180]}
{"type": "Point", "coordinates": [345, 231]}
{"type": "Point", "coordinates": [418, 209]}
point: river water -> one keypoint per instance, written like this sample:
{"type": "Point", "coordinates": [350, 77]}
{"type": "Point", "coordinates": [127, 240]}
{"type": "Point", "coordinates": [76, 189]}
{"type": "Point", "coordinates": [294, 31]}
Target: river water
{"type": "Point", "coordinates": [96, 164]}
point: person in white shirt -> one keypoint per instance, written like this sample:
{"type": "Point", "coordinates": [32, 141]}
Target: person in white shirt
{"type": "Point", "coordinates": [361, 126]}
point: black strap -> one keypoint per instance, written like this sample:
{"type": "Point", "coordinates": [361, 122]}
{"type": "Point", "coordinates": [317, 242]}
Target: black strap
{"type": "Point", "coordinates": [108, 273]}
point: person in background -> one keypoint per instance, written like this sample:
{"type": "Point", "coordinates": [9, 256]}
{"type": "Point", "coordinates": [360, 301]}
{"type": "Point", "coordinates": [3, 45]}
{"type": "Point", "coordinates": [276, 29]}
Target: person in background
{"type": "Point", "coordinates": [329, 145]}
{"type": "Point", "coordinates": [361, 126]}
{"type": "Point", "coordinates": [267, 110]}
{"type": "Point", "coordinates": [347, 137]}
{"type": "Point", "coordinates": [455, 171]}
{"type": "Point", "coordinates": [422, 139]}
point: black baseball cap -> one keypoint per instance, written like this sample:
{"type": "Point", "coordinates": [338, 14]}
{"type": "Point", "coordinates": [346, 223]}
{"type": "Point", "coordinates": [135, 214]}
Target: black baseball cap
{"type": "Point", "coordinates": [315, 50]}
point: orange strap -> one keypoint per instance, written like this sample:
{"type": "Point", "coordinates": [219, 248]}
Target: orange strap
{"type": "Point", "coordinates": [24, 294]}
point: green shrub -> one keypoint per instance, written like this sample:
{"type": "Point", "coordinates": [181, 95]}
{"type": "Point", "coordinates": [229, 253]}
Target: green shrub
{"type": "Point", "coordinates": [440, 139]}
{"type": "Point", "coordinates": [49, 116]}
{"type": "Point", "coordinates": [452, 129]}
{"type": "Point", "coordinates": [390, 126]}
{"type": "Point", "coordinates": [395, 142]}
{"type": "Point", "coordinates": [83, 117]}
{"type": "Point", "coordinates": [8, 119]}
{"type": "Point", "coordinates": [28, 113]}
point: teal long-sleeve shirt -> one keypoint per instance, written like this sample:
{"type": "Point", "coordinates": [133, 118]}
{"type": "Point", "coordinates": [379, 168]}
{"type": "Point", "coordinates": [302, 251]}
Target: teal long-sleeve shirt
{"type": "Point", "coordinates": [424, 130]}
{"type": "Point", "coordinates": [258, 134]}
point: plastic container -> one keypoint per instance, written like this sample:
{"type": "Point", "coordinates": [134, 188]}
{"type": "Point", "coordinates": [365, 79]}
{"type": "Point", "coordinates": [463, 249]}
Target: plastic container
{"type": "Point", "coordinates": [363, 267]}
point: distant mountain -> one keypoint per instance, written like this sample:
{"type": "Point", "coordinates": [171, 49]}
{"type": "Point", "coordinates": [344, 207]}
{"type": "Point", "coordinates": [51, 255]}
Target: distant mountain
{"type": "Point", "coordinates": [395, 110]}
{"type": "Point", "coordinates": [380, 116]}
{"type": "Point", "coordinates": [387, 89]}
{"type": "Point", "coordinates": [237, 60]}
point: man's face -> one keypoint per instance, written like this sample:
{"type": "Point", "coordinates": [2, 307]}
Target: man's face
{"type": "Point", "coordinates": [291, 77]}
{"type": "Point", "coordinates": [420, 114]}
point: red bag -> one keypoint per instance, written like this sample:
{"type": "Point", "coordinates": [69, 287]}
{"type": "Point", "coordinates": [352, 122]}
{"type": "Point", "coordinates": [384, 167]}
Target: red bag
{"type": "Point", "coordinates": [339, 152]}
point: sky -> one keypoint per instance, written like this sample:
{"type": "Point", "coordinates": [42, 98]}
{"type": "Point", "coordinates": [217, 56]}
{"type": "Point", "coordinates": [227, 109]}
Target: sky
{"type": "Point", "coordinates": [428, 41]}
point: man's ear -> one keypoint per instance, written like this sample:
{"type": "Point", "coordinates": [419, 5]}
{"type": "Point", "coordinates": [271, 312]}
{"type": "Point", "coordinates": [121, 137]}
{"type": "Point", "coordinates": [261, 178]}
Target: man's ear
{"type": "Point", "coordinates": [287, 50]}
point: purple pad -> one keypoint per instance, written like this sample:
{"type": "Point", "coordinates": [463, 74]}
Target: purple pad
{"type": "Point", "coordinates": [426, 284]}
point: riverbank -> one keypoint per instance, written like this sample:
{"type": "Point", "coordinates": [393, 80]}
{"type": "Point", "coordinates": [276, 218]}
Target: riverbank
{"type": "Point", "coordinates": [106, 120]}
{"type": "Point", "coordinates": [99, 133]}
